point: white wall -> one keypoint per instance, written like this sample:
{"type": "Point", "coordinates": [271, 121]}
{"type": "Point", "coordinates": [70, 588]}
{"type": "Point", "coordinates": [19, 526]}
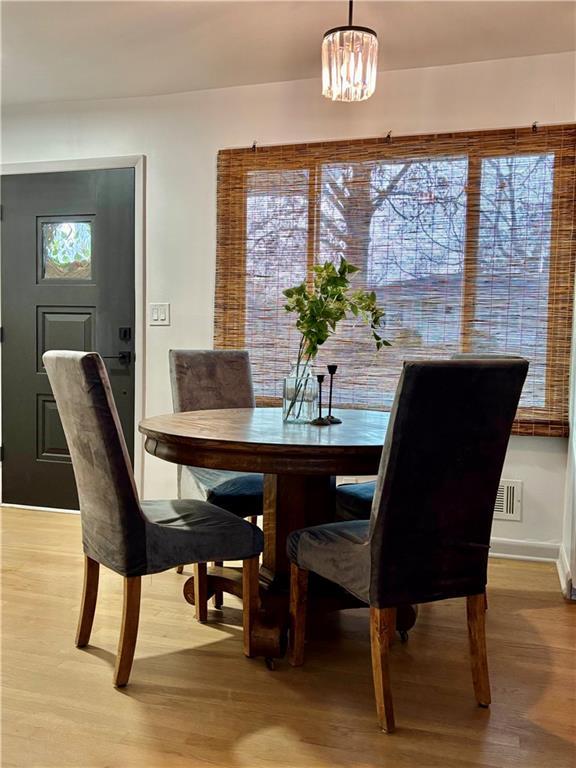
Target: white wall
{"type": "Point", "coordinates": [181, 134]}
{"type": "Point", "coordinates": [567, 555]}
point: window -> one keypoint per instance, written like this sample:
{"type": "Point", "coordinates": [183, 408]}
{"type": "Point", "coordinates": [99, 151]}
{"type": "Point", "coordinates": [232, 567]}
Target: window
{"type": "Point", "coordinates": [66, 248]}
{"type": "Point", "coordinates": [467, 239]}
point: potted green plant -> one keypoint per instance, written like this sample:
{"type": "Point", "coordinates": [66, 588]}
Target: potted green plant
{"type": "Point", "coordinates": [319, 309]}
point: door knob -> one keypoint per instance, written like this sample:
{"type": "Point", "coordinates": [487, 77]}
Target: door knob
{"type": "Point", "coordinates": [124, 358]}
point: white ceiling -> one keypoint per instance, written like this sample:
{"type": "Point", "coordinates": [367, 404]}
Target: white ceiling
{"type": "Point", "coordinates": [56, 51]}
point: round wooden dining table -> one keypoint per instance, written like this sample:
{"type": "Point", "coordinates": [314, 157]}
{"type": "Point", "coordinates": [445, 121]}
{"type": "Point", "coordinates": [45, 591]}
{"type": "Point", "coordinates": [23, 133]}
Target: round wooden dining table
{"type": "Point", "coordinates": [299, 463]}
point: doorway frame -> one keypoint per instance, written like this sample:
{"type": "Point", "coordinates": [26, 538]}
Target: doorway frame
{"type": "Point", "coordinates": [138, 162]}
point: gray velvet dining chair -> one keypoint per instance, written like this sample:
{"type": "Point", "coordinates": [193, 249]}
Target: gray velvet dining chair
{"type": "Point", "coordinates": [354, 500]}
{"type": "Point", "coordinates": [207, 380]}
{"type": "Point", "coordinates": [131, 537]}
{"type": "Point", "coordinates": [429, 532]}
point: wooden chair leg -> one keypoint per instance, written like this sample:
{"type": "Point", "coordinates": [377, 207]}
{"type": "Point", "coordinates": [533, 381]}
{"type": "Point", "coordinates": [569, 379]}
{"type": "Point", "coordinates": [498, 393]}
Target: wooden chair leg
{"type": "Point", "coordinates": [250, 600]}
{"type": "Point", "coordinates": [89, 597]}
{"type": "Point", "coordinates": [218, 594]}
{"type": "Point", "coordinates": [180, 569]}
{"type": "Point", "coordinates": [201, 591]}
{"type": "Point", "coordinates": [298, 595]}
{"type": "Point", "coordinates": [476, 614]}
{"type": "Point", "coordinates": [129, 631]}
{"type": "Point", "coordinates": [382, 624]}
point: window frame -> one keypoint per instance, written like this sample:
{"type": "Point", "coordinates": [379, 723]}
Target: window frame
{"type": "Point", "coordinates": [234, 166]}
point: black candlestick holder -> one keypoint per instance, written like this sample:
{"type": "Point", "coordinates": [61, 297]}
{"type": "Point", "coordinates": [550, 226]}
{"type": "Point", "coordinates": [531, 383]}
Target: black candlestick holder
{"type": "Point", "coordinates": [332, 419]}
{"type": "Point", "coordinates": [320, 421]}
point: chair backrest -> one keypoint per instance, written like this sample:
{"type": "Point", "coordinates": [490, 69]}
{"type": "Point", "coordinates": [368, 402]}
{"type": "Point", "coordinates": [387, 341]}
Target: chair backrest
{"type": "Point", "coordinates": [486, 356]}
{"type": "Point", "coordinates": [438, 479]}
{"type": "Point", "coordinates": [207, 379]}
{"type": "Point", "coordinates": [113, 529]}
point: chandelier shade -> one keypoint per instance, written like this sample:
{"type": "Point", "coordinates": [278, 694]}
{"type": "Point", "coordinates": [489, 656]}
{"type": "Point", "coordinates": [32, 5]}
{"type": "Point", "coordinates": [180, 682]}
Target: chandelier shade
{"type": "Point", "coordinates": [349, 62]}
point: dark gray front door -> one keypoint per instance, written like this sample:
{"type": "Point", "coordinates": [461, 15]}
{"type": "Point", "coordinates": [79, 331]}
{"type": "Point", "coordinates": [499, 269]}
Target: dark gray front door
{"type": "Point", "coordinates": [67, 283]}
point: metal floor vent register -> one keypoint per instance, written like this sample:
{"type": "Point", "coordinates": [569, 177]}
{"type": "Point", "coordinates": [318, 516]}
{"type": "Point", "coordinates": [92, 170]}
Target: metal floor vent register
{"type": "Point", "coordinates": [509, 500]}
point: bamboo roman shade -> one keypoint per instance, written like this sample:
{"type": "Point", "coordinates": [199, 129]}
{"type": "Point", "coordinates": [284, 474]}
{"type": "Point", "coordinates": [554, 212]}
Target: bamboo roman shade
{"type": "Point", "coordinates": [468, 240]}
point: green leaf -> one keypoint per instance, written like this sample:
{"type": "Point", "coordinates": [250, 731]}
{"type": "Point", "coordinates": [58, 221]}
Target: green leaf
{"type": "Point", "coordinates": [320, 309]}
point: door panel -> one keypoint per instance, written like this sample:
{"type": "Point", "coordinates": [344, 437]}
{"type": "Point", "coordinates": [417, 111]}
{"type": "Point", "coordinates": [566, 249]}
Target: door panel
{"type": "Point", "coordinates": [65, 328]}
{"type": "Point", "coordinates": [67, 283]}
{"type": "Point", "coordinates": [51, 443]}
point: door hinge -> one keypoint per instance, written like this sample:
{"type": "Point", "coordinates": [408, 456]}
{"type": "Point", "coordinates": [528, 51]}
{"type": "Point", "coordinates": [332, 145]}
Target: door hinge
{"type": "Point", "coordinates": [1, 453]}
{"type": "Point", "coordinates": [1, 334]}
{"type": "Point", "coordinates": [1, 212]}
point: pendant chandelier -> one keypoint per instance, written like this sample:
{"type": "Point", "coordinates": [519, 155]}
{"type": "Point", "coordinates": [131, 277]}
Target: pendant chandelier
{"type": "Point", "coordinates": [349, 62]}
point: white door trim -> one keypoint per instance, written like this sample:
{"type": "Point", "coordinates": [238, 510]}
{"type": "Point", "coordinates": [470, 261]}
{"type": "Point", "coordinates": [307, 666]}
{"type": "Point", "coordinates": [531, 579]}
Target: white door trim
{"type": "Point", "coordinates": [138, 162]}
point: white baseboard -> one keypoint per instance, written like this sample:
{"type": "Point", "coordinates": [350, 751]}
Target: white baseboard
{"type": "Point", "coordinates": [565, 575]}
{"type": "Point", "coordinates": [524, 550]}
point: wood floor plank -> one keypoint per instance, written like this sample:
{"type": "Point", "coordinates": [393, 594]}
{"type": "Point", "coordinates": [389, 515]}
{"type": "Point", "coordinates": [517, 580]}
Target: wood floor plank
{"type": "Point", "coordinates": [195, 700]}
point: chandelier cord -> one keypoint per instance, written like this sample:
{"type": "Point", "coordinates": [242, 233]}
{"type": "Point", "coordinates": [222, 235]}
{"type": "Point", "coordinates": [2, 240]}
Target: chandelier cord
{"type": "Point", "coordinates": [350, 4]}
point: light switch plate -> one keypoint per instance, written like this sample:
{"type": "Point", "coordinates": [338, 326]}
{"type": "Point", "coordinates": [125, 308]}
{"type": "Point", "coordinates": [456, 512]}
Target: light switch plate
{"type": "Point", "coordinates": [159, 314]}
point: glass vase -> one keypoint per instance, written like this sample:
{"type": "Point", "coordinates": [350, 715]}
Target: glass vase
{"type": "Point", "coordinates": [300, 397]}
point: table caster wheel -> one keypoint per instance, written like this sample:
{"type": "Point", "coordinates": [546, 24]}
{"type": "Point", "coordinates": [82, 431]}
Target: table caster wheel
{"type": "Point", "coordinates": [270, 663]}
{"type": "Point", "coordinates": [403, 636]}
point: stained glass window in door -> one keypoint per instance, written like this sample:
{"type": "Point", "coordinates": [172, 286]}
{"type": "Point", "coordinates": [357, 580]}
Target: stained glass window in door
{"type": "Point", "coordinates": [66, 250]}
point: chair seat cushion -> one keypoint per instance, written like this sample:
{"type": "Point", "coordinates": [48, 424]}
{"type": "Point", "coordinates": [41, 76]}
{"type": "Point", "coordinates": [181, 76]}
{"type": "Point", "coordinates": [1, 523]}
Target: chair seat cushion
{"type": "Point", "coordinates": [191, 531]}
{"type": "Point", "coordinates": [339, 552]}
{"type": "Point", "coordinates": [238, 492]}
{"type": "Point", "coordinates": [354, 500]}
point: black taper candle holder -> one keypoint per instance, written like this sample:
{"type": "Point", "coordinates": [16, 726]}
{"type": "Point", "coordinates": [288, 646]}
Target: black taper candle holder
{"type": "Point", "coordinates": [320, 422]}
{"type": "Point", "coordinates": [332, 419]}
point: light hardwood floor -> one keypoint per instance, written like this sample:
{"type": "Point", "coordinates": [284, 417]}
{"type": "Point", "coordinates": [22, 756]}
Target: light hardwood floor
{"type": "Point", "coordinates": [194, 700]}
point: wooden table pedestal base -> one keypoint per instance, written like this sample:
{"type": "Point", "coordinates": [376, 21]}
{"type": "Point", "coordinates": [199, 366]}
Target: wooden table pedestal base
{"type": "Point", "coordinates": [270, 631]}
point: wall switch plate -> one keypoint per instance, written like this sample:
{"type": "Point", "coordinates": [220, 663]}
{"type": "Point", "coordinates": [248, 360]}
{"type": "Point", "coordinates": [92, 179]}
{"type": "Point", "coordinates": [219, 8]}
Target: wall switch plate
{"type": "Point", "coordinates": [159, 314]}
